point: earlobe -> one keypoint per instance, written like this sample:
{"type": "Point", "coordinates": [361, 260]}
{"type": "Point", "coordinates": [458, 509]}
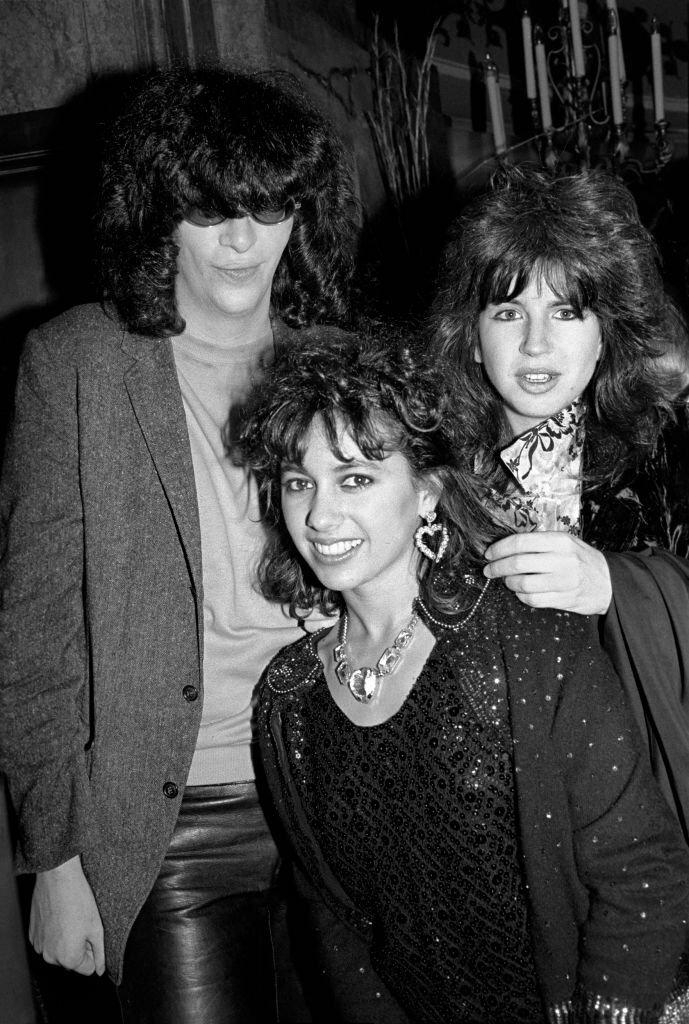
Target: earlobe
{"type": "Point", "coordinates": [427, 505]}
{"type": "Point", "coordinates": [429, 496]}
{"type": "Point", "coordinates": [477, 353]}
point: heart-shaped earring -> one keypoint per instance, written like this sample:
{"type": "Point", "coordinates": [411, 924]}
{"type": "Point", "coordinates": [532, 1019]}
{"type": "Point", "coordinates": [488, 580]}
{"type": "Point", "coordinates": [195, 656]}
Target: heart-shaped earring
{"type": "Point", "coordinates": [428, 530]}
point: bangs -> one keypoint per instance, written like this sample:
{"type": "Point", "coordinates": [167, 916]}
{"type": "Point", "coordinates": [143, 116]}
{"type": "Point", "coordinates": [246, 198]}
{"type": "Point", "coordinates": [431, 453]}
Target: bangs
{"type": "Point", "coordinates": [375, 434]}
{"type": "Point", "coordinates": [220, 189]}
{"type": "Point", "coordinates": [504, 279]}
{"type": "Point", "coordinates": [232, 163]}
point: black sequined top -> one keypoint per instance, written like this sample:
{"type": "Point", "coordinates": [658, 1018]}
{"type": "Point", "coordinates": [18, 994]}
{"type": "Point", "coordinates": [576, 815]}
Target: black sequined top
{"type": "Point", "coordinates": [410, 834]}
{"type": "Point", "coordinates": [416, 819]}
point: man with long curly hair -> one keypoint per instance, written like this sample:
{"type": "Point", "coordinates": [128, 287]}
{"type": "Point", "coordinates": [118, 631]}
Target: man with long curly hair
{"type": "Point", "coordinates": [132, 637]}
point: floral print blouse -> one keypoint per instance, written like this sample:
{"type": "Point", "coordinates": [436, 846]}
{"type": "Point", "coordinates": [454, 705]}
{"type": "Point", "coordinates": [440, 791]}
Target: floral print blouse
{"type": "Point", "coordinates": [545, 466]}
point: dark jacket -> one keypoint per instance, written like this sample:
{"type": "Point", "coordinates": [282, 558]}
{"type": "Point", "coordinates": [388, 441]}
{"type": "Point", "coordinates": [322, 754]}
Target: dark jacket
{"type": "Point", "coordinates": [642, 526]}
{"type": "Point", "coordinates": [646, 634]}
{"type": "Point", "coordinates": [648, 505]}
{"type": "Point", "coordinates": [592, 826]}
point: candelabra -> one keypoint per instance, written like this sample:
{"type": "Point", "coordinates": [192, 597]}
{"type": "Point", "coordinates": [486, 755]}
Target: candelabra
{"type": "Point", "coordinates": [576, 83]}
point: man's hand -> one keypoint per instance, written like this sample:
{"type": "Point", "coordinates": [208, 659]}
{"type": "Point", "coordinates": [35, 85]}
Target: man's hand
{"type": "Point", "coordinates": [552, 570]}
{"type": "Point", "coordinates": [65, 925]}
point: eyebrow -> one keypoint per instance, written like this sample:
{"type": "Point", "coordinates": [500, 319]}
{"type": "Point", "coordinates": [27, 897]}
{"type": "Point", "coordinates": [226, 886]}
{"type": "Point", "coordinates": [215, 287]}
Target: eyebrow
{"type": "Point", "coordinates": [517, 302]}
{"type": "Point", "coordinates": [358, 463]}
{"type": "Point", "coordinates": [297, 467]}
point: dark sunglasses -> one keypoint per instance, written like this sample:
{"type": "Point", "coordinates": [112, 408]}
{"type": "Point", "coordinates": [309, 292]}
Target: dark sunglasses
{"type": "Point", "coordinates": [268, 215]}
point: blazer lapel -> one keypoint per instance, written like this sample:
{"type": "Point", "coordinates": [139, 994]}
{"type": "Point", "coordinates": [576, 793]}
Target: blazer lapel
{"type": "Point", "coordinates": [153, 390]}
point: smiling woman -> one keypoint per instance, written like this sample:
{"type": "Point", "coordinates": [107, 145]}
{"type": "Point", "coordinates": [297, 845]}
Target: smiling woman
{"type": "Point", "coordinates": [351, 518]}
{"type": "Point", "coordinates": [430, 756]}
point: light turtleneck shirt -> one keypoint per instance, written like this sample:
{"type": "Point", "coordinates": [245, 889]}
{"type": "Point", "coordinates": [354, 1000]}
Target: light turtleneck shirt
{"type": "Point", "coordinates": [544, 464]}
{"type": "Point", "coordinates": [242, 631]}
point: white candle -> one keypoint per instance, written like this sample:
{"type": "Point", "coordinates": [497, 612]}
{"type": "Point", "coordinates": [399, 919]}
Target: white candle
{"type": "Point", "coordinates": [531, 90]}
{"type": "Point", "coordinates": [614, 65]}
{"type": "Point", "coordinates": [577, 45]}
{"type": "Point", "coordinates": [612, 6]}
{"type": "Point", "coordinates": [495, 105]}
{"type": "Point", "coordinates": [657, 64]}
{"type": "Point", "coordinates": [501, 141]}
{"type": "Point", "coordinates": [542, 73]}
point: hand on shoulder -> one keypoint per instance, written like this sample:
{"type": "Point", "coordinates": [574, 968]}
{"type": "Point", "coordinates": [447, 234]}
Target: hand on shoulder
{"type": "Point", "coordinates": [552, 570]}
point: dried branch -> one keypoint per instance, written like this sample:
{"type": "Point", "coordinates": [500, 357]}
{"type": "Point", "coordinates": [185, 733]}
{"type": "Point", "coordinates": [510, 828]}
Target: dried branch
{"type": "Point", "coordinates": [399, 118]}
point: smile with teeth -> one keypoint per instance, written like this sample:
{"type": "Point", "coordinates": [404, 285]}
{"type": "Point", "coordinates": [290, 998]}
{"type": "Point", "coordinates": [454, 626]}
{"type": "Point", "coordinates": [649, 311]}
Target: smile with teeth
{"type": "Point", "coordinates": [338, 547]}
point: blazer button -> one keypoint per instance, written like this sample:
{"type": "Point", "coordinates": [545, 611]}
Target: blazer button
{"type": "Point", "coordinates": [170, 790]}
{"type": "Point", "coordinates": [190, 693]}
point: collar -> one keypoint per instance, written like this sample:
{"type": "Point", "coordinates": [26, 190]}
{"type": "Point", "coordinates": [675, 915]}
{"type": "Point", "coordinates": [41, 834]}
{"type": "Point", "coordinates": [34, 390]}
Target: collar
{"type": "Point", "coordinates": [545, 466]}
{"type": "Point", "coordinates": [555, 443]}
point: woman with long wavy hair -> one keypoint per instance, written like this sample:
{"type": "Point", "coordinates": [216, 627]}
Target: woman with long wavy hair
{"type": "Point", "coordinates": [552, 312]}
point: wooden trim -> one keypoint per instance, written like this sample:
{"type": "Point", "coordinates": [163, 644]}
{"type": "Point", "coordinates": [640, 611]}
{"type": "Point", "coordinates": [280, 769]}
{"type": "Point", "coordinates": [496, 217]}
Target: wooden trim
{"type": "Point", "coordinates": [25, 140]}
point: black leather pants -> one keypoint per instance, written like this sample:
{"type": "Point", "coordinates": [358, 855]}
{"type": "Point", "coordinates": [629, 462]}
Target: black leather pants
{"type": "Point", "coordinates": [210, 942]}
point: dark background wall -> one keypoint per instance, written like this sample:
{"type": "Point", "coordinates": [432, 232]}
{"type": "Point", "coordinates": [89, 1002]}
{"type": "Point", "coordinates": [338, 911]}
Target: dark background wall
{"type": "Point", "coordinates": [63, 64]}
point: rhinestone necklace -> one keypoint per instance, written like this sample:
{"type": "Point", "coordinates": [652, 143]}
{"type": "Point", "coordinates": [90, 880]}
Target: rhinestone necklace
{"type": "Point", "coordinates": [364, 683]}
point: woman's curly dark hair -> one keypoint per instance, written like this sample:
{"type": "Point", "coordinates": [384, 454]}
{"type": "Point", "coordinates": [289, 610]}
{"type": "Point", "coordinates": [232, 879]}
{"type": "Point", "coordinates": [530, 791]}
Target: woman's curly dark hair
{"type": "Point", "coordinates": [390, 397]}
{"type": "Point", "coordinates": [583, 235]}
{"type": "Point", "coordinates": [217, 139]}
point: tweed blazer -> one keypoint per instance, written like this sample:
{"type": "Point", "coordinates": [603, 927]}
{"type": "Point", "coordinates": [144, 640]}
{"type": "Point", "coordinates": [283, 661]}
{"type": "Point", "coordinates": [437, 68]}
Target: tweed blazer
{"type": "Point", "coordinates": [101, 619]}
